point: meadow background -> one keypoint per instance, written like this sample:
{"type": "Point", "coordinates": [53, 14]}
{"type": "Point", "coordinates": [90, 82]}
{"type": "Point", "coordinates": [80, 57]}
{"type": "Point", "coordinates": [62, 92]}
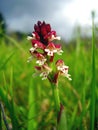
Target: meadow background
{"type": "Point", "coordinates": [27, 101]}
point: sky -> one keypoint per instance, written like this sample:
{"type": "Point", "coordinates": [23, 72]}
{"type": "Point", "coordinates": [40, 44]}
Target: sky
{"type": "Point", "coordinates": [63, 15]}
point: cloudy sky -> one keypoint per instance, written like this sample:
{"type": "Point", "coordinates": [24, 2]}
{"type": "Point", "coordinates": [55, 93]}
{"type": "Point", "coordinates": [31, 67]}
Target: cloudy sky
{"type": "Point", "coordinates": [63, 15]}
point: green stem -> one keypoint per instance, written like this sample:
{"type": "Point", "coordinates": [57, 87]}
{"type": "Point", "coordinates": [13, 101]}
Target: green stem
{"type": "Point", "coordinates": [60, 111]}
{"type": "Point", "coordinates": [56, 96]}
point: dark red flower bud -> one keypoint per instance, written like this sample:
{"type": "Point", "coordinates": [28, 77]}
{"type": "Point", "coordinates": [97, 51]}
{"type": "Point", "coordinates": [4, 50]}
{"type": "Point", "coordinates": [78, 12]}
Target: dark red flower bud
{"type": "Point", "coordinates": [43, 30]}
{"type": "Point", "coordinates": [39, 23]}
{"type": "Point", "coordinates": [36, 28]}
{"type": "Point", "coordinates": [48, 28]}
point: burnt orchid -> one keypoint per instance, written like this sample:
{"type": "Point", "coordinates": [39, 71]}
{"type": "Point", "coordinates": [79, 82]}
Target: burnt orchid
{"type": "Point", "coordinates": [44, 49]}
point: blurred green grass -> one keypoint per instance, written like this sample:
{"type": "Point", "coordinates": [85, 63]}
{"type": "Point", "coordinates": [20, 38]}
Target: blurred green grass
{"type": "Point", "coordinates": [28, 101]}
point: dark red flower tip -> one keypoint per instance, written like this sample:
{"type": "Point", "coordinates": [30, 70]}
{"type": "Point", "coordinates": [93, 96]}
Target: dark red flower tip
{"type": "Point", "coordinates": [48, 28]}
{"type": "Point", "coordinates": [58, 46]}
{"type": "Point", "coordinates": [36, 28]}
{"type": "Point", "coordinates": [60, 62]}
{"type": "Point", "coordinates": [41, 30]}
{"type": "Point", "coordinates": [38, 44]}
{"type": "Point", "coordinates": [39, 23]}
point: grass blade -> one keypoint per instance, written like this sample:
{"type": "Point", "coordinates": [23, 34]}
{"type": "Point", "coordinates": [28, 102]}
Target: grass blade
{"type": "Point", "coordinates": [15, 43]}
{"type": "Point", "coordinates": [62, 124]}
{"type": "Point", "coordinates": [93, 94]}
{"type": "Point", "coordinates": [2, 65]}
{"type": "Point", "coordinates": [12, 110]}
{"type": "Point", "coordinates": [32, 112]}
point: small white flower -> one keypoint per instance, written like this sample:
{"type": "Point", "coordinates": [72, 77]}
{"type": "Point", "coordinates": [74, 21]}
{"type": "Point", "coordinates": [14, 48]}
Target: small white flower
{"type": "Point", "coordinates": [29, 38]}
{"type": "Point", "coordinates": [33, 35]}
{"type": "Point", "coordinates": [58, 38]}
{"type": "Point", "coordinates": [35, 45]}
{"type": "Point", "coordinates": [44, 75]}
{"type": "Point", "coordinates": [50, 52]}
{"type": "Point", "coordinates": [63, 68]}
{"type": "Point", "coordinates": [32, 49]}
{"type": "Point", "coordinates": [54, 38]}
{"type": "Point", "coordinates": [68, 76]}
{"type": "Point", "coordinates": [51, 49]}
{"type": "Point", "coordinates": [41, 62]}
{"type": "Point", "coordinates": [30, 59]}
{"type": "Point", "coordinates": [59, 52]}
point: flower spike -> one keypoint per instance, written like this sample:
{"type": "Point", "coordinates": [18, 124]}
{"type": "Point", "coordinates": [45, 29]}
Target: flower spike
{"type": "Point", "coordinates": [43, 50]}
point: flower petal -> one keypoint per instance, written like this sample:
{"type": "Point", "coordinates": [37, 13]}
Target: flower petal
{"type": "Point", "coordinates": [59, 50]}
{"type": "Point", "coordinates": [50, 49]}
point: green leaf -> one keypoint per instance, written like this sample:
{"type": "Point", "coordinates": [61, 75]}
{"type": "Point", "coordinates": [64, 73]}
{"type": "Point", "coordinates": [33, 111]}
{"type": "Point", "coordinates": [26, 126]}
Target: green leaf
{"type": "Point", "coordinates": [62, 125]}
{"type": "Point", "coordinates": [93, 86]}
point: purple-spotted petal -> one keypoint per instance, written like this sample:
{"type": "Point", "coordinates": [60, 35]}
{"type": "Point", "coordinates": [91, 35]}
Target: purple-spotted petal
{"type": "Point", "coordinates": [63, 69]}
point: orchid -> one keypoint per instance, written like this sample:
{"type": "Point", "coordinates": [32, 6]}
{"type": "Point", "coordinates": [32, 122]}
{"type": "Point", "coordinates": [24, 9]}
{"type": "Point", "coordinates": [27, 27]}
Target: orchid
{"type": "Point", "coordinates": [42, 38]}
{"type": "Point", "coordinates": [44, 50]}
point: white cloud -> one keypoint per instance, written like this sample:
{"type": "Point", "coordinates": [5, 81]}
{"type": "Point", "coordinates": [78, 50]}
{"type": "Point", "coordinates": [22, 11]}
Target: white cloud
{"type": "Point", "coordinates": [80, 11]}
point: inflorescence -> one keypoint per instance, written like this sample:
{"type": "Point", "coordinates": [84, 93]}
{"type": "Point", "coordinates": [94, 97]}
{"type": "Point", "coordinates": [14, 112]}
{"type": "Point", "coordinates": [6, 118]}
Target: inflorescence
{"type": "Point", "coordinates": [43, 50]}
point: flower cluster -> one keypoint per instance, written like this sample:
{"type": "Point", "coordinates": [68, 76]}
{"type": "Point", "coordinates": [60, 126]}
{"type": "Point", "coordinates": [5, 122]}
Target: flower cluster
{"type": "Point", "coordinates": [44, 49]}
